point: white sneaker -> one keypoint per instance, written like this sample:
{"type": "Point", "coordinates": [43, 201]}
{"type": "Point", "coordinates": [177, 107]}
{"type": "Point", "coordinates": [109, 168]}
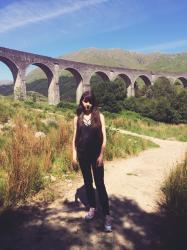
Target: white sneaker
{"type": "Point", "coordinates": [91, 214]}
{"type": "Point", "coordinates": [108, 223]}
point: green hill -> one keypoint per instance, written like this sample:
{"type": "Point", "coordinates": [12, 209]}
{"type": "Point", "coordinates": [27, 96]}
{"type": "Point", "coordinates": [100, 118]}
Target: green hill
{"type": "Point", "coordinates": [132, 60]}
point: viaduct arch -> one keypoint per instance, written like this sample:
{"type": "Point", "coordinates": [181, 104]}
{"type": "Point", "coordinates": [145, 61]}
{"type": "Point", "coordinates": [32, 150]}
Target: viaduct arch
{"type": "Point", "coordinates": [18, 61]}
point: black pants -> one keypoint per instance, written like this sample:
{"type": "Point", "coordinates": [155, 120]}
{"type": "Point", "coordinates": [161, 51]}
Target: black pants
{"type": "Point", "coordinates": [98, 173]}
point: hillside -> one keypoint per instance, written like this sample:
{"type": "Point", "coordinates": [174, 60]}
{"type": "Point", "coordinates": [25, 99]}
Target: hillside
{"type": "Point", "coordinates": [132, 60]}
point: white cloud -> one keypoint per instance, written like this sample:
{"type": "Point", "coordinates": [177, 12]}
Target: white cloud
{"type": "Point", "coordinates": [22, 13]}
{"type": "Point", "coordinates": [164, 46]}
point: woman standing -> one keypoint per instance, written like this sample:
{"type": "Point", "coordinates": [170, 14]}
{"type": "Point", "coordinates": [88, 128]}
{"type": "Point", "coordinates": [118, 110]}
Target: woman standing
{"type": "Point", "coordinates": [89, 142]}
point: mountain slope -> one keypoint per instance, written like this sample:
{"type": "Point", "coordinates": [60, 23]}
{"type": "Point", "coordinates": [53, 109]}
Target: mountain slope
{"type": "Point", "coordinates": [132, 60]}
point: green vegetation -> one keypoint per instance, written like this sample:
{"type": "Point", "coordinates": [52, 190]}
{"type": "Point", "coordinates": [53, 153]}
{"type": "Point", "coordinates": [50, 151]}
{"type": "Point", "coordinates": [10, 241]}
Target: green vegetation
{"type": "Point", "coordinates": [110, 95]}
{"type": "Point", "coordinates": [136, 123]}
{"type": "Point", "coordinates": [121, 146]}
{"type": "Point", "coordinates": [162, 102]}
{"type": "Point", "coordinates": [174, 207]}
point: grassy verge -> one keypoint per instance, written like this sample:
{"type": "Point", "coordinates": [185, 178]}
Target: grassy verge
{"type": "Point", "coordinates": [174, 208]}
{"type": "Point", "coordinates": [136, 123]}
{"type": "Point", "coordinates": [122, 146]}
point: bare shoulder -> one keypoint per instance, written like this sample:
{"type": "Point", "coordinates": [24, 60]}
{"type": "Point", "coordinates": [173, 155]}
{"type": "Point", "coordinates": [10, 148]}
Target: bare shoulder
{"type": "Point", "coordinates": [102, 117]}
{"type": "Point", "coordinates": [75, 120]}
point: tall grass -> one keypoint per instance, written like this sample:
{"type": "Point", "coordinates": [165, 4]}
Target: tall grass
{"type": "Point", "coordinates": [136, 123]}
{"type": "Point", "coordinates": [61, 140]}
{"type": "Point", "coordinates": [28, 156]}
{"type": "Point", "coordinates": [27, 159]}
{"type": "Point", "coordinates": [6, 110]}
{"type": "Point", "coordinates": [3, 179]}
{"type": "Point", "coordinates": [174, 208]}
{"type": "Point", "coordinates": [122, 146]}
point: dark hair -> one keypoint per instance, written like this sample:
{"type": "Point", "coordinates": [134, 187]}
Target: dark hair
{"type": "Point", "coordinates": [87, 96]}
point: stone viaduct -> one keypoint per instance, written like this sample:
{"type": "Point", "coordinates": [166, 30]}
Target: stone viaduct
{"type": "Point", "coordinates": [18, 61]}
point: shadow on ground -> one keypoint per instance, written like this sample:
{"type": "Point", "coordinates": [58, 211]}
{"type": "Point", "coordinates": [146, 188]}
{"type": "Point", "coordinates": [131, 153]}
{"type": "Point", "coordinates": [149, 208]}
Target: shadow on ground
{"type": "Point", "coordinates": [29, 227]}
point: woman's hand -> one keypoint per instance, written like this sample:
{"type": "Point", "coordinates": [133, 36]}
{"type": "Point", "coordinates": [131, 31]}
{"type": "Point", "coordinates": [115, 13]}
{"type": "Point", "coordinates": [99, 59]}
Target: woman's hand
{"type": "Point", "coordinates": [100, 160]}
{"type": "Point", "coordinates": [75, 162]}
{"type": "Point", "coordinates": [75, 165]}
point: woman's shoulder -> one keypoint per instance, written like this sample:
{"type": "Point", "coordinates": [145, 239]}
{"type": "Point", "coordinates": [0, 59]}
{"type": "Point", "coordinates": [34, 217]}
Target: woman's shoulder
{"type": "Point", "coordinates": [101, 114]}
{"type": "Point", "coordinates": [75, 118]}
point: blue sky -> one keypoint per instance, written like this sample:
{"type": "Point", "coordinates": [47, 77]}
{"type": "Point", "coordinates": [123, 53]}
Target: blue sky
{"type": "Point", "coordinates": [54, 28]}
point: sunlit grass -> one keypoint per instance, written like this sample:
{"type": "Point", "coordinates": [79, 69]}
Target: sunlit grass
{"type": "Point", "coordinates": [122, 146]}
{"type": "Point", "coordinates": [136, 123]}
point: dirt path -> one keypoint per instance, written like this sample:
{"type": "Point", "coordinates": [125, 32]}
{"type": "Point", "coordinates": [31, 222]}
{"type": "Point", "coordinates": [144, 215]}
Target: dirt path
{"type": "Point", "coordinates": [133, 186]}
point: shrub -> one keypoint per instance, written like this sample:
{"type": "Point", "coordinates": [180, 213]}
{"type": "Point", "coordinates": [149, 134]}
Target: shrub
{"type": "Point", "coordinates": [160, 109]}
{"type": "Point", "coordinates": [180, 104]}
{"type": "Point", "coordinates": [164, 103]}
{"type": "Point", "coordinates": [66, 105]}
{"type": "Point", "coordinates": [110, 95]}
{"type": "Point", "coordinates": [163, 88]}
{"type": "Point", "coordinates": [174, 208]}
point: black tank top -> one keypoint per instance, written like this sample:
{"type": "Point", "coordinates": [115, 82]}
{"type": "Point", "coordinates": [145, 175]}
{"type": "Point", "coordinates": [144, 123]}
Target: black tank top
{"type": "Point", "coordinates": [88, 139]}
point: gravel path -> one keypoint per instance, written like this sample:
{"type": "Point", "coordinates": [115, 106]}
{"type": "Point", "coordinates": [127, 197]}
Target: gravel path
{"type": "Point", "coordinates": [133, 186]}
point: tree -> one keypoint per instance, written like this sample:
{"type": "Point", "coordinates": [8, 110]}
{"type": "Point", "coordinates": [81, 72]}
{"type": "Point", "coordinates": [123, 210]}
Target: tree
{"type": "Point", "coordinates": [110, 95]}
{"type": "Point", "coordinates": [163, 88]}
{"type": "Point", "coordinates": [180, 104]}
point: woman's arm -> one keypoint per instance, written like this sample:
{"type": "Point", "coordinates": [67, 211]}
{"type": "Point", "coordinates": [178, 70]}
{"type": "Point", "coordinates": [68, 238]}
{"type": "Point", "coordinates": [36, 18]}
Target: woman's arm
{"type": "Point", "coordinates": [104, 132]}
{"type": "Point", "coordinates": [100, 158]}
{"type": "Point", "coordinates": [73, 143]}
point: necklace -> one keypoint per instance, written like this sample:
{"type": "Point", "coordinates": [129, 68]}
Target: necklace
{"type": "Point", "coordinates": [87, 120]}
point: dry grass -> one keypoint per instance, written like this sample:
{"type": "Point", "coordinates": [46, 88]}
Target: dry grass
{"type": "Point", "coordinates": [174, 208]}
{"type": "Point", "coordinates": [27, 159]}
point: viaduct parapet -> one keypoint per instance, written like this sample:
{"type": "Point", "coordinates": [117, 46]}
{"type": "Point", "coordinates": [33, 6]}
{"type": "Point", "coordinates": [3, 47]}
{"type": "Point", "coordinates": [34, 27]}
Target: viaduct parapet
{"type": "Point", "coordinates": [19, 61]}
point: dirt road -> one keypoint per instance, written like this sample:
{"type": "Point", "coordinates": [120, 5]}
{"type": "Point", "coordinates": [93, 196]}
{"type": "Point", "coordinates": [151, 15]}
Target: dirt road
{"type": "Point", "coordinates": [133, 186]}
